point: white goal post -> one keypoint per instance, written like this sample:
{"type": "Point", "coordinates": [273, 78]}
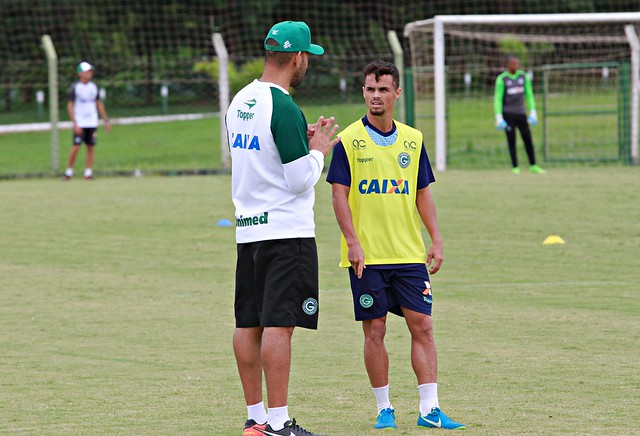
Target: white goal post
{"type": "Point", "coordinates": [440, 22]}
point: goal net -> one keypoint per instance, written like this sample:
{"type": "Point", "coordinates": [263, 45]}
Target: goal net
{"type": "Point", "coordinates": [155, 60]}
{"type": "Point", "coordinates": [580, 66]}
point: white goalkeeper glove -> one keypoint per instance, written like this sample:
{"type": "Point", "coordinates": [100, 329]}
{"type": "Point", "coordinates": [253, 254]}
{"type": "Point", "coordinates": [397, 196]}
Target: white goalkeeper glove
{"type": "Point", "coordinates": [501, 124]}
{"type": "Point", "coordinates": [533, 117]}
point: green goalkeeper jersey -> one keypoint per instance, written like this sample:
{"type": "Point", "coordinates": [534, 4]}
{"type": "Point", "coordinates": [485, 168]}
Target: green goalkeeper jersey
{"type": "Point", "coordinates": [511, 92]}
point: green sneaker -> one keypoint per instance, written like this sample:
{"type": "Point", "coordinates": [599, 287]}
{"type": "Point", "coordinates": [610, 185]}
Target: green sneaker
{"type": "Point", "coordinates": [535, 169]}
{"type": "Point", "coordinates": [515, 170]}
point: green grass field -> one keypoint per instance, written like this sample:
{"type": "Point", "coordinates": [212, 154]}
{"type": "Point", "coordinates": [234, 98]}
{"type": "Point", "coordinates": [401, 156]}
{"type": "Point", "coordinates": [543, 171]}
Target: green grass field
{"type": "Point", "coordinates": [157, 147]}
{"type": "Point", "coordinates": [473, 142]}
{"type": "Point", "coordinates": [117, 315]}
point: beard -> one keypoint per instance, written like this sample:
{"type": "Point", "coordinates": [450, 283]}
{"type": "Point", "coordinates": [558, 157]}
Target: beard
{"type": "Point", "coordinates": [377, 110]}
{"type": "Point", "coordinates": [296, 80]}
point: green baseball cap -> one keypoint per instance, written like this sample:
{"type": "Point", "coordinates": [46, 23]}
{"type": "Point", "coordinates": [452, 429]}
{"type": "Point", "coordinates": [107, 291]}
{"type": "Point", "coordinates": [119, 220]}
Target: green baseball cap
{"type": "Point", "coordinates": [292, 36]}
{"type": "Point", "coordinates": [83, 67]}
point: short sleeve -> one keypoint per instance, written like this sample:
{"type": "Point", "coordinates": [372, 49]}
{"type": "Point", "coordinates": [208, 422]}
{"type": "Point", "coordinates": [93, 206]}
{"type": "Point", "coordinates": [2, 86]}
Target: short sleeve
{"type": "Point", "coordinates": [339, 169]}
{"type": "Point", "coordinates": [71, 93]}
{"type": "Point", "coordinates": [425, 172]}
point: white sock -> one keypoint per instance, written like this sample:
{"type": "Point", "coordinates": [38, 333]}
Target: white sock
{"type": "Point", "coordinates": [88, 172]}
{"type": "Point", "coordinates": [257, 413]}
{"type": "Point", "coordinates": [382, 398]}
{"type": "Point", "coordinates": [277, 416]}
{"type": "Point", "coordinates": [428, 397]}
{"type": "Point", "coordinates": [68, 172]}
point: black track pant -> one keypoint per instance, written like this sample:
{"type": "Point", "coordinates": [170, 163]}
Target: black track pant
{"type": "Point", "coordinates": [520, 122]}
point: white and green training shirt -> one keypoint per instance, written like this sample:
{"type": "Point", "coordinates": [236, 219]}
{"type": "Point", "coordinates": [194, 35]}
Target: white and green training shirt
{"type": "Point", "coordinates": [273, 171]}
{"type": "Point", "coordinates": [84, 97]}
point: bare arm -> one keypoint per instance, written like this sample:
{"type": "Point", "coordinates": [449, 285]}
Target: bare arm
{"type": "Point", "coordinates": [76, 130]}
{"type": "Point", "coordinates": [427, 210]}
{"type": "Point", "coordinates": [340, 196]}
{"type": "Point", "coordinates": [103, 114]}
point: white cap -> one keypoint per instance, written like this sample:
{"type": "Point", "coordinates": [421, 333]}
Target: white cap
{"type": "Point", "coordinates": [83, 67]}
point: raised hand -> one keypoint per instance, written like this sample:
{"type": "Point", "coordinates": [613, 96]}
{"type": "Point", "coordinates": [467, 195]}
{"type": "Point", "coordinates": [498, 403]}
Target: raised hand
{"type": "Point", "coordinates": [323, 130]}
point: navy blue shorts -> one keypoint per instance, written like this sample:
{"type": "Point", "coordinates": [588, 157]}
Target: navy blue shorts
{"type": "Point", "coordinates": [386, 288]}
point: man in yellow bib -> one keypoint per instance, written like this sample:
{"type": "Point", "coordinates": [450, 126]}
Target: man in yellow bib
{"type": "Point", "coordinates": [380, 176]}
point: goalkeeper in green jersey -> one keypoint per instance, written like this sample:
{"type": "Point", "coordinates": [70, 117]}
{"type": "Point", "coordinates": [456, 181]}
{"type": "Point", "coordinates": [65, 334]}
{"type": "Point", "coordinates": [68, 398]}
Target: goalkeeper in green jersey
{"type": "Point", "coordinates": [513, 87]}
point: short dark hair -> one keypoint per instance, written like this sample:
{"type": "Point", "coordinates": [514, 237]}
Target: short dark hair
{"type": "Point", "coordinates": [382, 68]}
{"type": "Point", "coordinates": [512, 58]}
{"type": "Point", "coordinates": [279, 58]}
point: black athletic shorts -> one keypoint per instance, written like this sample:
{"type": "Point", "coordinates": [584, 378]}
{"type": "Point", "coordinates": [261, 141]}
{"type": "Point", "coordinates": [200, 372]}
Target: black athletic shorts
{"type": "Point", "coordinates": [88, 136]}
{"type": "Point", "coordinates": [277, 284]}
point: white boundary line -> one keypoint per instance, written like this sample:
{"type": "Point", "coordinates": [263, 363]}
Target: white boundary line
{"type": "Point", "coordinates": [41, 127]}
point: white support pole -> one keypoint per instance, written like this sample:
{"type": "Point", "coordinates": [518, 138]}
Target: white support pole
{"type": "Point", "coordinates": [398, 59]}
{"type": "Point", "coordinates": [224, 90]}
{"type": "Point", "coordinates": [440, 107]}
{"type": "Point", "coordinates": [52, 62]}
{"type": "Point", "coordinates": [634, 43]}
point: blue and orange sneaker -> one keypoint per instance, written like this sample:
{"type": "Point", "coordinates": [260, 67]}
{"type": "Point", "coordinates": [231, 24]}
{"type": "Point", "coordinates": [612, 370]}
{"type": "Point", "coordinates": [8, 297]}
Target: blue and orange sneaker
{"type": "Point", "coordinates": [437, 419]}
{"type": "Point", "coordinates": [386, 419]}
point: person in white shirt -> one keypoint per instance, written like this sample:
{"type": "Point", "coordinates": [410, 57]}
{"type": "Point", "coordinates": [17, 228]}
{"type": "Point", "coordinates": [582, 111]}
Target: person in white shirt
{"type": "Point", "coordinates": [83, 106]}
{"type": "Point", "coordinates": [276, 159]}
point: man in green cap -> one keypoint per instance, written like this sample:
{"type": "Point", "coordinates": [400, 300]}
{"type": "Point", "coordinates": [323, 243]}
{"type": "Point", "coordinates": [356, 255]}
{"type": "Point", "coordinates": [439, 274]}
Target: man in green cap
{"type": "Point", "coordinates": [276, 161]}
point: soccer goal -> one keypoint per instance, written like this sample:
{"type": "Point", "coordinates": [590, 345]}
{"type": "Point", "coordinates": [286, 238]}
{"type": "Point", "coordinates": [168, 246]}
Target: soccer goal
{"type": "Point", "coordinates": [585, 74]}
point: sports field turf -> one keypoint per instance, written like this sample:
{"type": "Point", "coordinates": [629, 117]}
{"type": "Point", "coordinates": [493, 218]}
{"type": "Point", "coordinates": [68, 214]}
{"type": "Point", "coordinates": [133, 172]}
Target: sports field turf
{"type": "Point", "coordinates": [116, 313]}
{"type": "Point", "coordinates": [154, 147]}
{"type": "Point", "coordinates": [191, 146]}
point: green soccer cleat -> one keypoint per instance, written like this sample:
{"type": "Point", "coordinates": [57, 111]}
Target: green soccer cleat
{"type": "Point", "coordinates": [515, 170]}
{"type": "Point", "coordinates": [437, 419]}
{"type": "Point", "coordinates": [386, 419]}
{"type": "Point", "coordinates": [535, 169]}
